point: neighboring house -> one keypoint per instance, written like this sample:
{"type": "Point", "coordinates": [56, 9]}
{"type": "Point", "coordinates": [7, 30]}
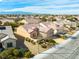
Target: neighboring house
{"type": "Point", "coordinates": [69, 23]}
{"type": "Point", "coordinates": [34, 30]}
{"type": "Point", "coordinates": [7, 38]}
{"type": "Point", "coordinates": [59, 26]}
{"type": "Point", "coordinates": [42, 29]}
{"type": "Point", "coordinates": [28, 30]}
{"type": "Point", "coordinates": [73, 24]}
{"type": "Point", "coordinates": [30, 20]}
{"type": "Point", "coordinates": [45, 29]}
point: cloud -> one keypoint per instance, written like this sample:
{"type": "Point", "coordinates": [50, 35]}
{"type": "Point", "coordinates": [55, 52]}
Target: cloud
{"type": "Point", "coordinates": [48, 7]}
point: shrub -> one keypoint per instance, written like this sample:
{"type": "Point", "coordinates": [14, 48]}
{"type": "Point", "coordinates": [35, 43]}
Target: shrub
{"type": "Point", "coordinates": [39, 41]}
{"type": "Point", "coordinates": [21, 52]}
{"type": "Point", "coordinates": [53, 19]}
{"type": "Point", "coordinates": [12, 53]}
{"type": "Point", "coordinates": [52, 41]}
{"type": "Point", "coordinates": [28, 39]}
{"type": "Point", "coordinates": [27, 54]}
{"type": "Point", "coordinates": [0, 22]}
{"type": "Point", "coordinates": [33, 42]}
{"type": "Point", "coordinates": [16, 52]}
{"type": "Point", "coordinates": [11, 57]}
{"type": "Point", "coordinates": [13, 24]}
{"type": "Point", "coordinates": [63, 37]}
{"type": "Point", "coordinates": [43, 46]}
{"type": "Point", "coordinates": [21, 23]}
{"type": "Point", "coordinates": [6, 53]}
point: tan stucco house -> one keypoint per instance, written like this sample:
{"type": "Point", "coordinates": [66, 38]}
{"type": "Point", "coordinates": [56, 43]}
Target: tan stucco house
{"type": "Point", "coordinates": [41, 30]}
{"type": "Point", "coordinates": [33, 30]}
{"type": "Point", "coordinates": [46, 29]}
{"type": "Point", "coordinates": [28, 30]}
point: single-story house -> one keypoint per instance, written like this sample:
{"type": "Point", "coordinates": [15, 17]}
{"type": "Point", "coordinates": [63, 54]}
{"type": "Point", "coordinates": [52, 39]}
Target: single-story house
{"type": "Point", "coordinates": [45, 29]}
{"type": "Point", "coordinates": [42, 29]}
{"type": "Point", "coordinates": [33, 21]}
{"type": "Point", "coordinates": [7, 38]}
{"type": "Point", "coordinates": [69, 23]}
{"type": "Point", "coordinates": [61, 26]}
{"type": "Point", "coordinates": [33, 30]}
{"type": "Point", "coordinates": [28, 30]}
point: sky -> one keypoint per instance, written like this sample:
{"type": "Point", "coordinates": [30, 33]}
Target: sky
{"type": "Point", "coordinates": [40, 6]}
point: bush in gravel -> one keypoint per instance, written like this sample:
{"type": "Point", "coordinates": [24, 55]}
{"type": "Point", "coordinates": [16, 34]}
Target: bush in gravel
{"type": "Point", "coordinates": [40, 42]}
{"type": "Point", "coordinates": [28, 54]}
{"type": "Point", "coordinates": [33, 42]}
{"type": "Point", "coordinates": [52, 41]}
{"type": "Point", "coordinates": [0, 22]}
{"type": "Point", "coordinates": [28, 39]}
{"type": "Point", "coordinates": [21, 23]}
{"type": "Point", "coordinates": [43, 46]}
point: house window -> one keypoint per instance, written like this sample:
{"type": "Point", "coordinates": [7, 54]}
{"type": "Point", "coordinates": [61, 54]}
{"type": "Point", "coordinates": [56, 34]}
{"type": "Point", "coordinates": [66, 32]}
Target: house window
{"type": "Point", "coordinates": [9, 44]}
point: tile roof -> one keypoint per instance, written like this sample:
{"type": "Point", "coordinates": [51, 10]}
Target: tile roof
{"type": "Point", "coordinates": [2, 36]}
{"type": "Point", "coordinates": [7, 39]}
{"type": "Point", "coordinates": [30, 27]}
{"type": "Point", "coordinates": [45, 26]}
{"type": "Point", "coordinates": [8, 31]}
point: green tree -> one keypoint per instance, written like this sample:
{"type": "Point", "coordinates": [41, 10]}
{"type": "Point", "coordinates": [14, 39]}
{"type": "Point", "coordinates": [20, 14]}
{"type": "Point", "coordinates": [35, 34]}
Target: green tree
{"type": "Point", "coordinates": [44, 45]}
{"type": "Point", "coordinates": [44, 19]}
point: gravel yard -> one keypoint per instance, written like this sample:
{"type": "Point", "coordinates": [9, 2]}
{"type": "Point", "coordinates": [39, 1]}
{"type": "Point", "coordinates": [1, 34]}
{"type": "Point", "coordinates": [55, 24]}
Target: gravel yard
{"type": "Point", "coordinates": [35, 49]}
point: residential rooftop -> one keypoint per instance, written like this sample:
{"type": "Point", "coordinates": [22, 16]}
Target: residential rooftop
{"type": "Point", "coordinates": [2, 36]}
{"type": "Point", "coordinates": [30, 27]}
{"type": "Point", "coordinates": [7, 30]}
